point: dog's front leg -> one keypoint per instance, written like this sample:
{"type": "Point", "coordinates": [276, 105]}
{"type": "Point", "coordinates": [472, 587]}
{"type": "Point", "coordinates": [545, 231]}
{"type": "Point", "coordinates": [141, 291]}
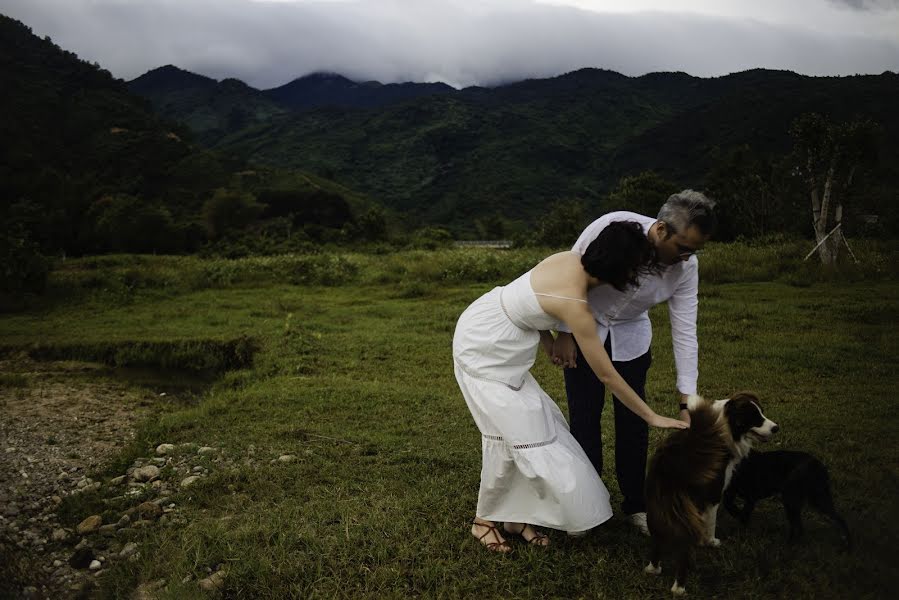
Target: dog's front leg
{"type": "Point", "coordinates": [730, 503]}
{"type": "Point", "coordinates": [711, 518]}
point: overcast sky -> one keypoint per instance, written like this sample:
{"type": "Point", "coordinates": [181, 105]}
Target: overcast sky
{"type": "Point", "coordinates": [468, 42]}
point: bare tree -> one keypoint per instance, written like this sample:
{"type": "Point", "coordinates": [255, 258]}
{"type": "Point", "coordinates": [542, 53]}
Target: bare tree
{"type": "Point", "coordinates": [828, 156]}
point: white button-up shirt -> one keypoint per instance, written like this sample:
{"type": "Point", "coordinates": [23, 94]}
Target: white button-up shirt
{"type": "Point", "coordinates": [625, 315]}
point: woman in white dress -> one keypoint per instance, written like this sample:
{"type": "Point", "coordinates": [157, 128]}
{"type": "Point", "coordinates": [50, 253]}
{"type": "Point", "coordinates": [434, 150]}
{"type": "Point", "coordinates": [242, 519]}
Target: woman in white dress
{"type": "Point", "coordinates": [533, 470]}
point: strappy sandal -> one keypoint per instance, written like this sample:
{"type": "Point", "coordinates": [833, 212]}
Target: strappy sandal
{"type": "Point", "coordinates": [502, 547]}
{"type": "Point", "coordinates": [536, 540]}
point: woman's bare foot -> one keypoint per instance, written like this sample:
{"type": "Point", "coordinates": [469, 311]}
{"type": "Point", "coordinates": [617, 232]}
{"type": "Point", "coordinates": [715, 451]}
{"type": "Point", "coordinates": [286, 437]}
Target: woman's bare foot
{"type": "Point", "coordinates": [489, 536]}
{"type": "Point", "coordinates": [530, 535]}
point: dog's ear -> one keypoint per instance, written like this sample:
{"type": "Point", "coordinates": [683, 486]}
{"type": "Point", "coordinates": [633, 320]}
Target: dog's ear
{"type": "Point", "coordinates": [745, 396]}
{"type": "Point", "coordinates": [734, 415]}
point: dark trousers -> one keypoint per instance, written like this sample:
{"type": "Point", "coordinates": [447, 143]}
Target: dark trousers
{"type": "Point", "coordinates": [586, 398]}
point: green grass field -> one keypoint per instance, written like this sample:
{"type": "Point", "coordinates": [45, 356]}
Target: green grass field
{"type": "Point", "coordinates": [355, 378]}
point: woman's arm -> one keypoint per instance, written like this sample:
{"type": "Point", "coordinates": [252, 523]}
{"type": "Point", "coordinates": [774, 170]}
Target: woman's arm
{"type": "Point", "coordinates": [583, 327]}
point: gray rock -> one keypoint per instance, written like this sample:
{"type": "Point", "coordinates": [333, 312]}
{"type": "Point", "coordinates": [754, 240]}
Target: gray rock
{"type": "Point", "coordinates": [129, 549]}
{"type": "Point", "coordinates": [163, 449]}
{"type": "Point", "coordinates": [148, 510]}
{"type": "Point", "coordinates": [141, 524]}
{"type": "Point", "coordinates": [213, 582]}
{"type": "Point", "coordinates": [89, 525]}
{"type": "Point", "coordinates": [108, 530]}
{"type": "Point", "coordinates": [147, 473]}
{"type": "Point", "coordinates": [59, 535]}
{"type": "Point", "coordinates": [287, 458]}
{"type": "Point", "coordinates": [206, 450]}
{"type": "Point", "coordinates": [189, 481]}
{"type": "Point", "coordinates": [95, 565]}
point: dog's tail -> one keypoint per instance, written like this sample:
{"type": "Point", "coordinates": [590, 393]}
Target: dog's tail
{"type": "Point", "coordinates": [672, 516]}
{"type": "Point", "coordinates": [822, 500]}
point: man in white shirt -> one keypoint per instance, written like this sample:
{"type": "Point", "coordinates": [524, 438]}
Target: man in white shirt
{"type": "Point", "coordinates": [684, 224]}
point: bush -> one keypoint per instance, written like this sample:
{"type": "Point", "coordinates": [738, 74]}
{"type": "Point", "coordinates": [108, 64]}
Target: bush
{"type": "Point", "coordinates": [431, 238]}
{"type": "Point", "coordinates": [229, 209]}
{"type": "Point", "coordinates": [123, 223]}
{"type": "Point", "coordinates": [24, 269]}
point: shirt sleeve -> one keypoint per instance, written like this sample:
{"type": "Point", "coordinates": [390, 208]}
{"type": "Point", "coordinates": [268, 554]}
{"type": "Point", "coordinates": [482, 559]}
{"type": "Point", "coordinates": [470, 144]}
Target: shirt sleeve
{"type": "Point", "coordinates": [682, 308]}
{"type": "Point", "coordinates": [580, 246]}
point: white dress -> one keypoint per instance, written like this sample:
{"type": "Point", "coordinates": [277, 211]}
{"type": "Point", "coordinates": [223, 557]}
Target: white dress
{"type": "Point", "coordinates": [533, 470]}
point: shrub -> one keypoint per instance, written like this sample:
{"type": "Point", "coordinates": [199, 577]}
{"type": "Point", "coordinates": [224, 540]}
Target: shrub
{"type": "Point", "coordinates": [24, 269]}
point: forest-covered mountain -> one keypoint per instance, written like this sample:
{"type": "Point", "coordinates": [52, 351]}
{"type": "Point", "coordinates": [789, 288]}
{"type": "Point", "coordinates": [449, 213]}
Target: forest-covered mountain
{"type": "Point", "coordinates": [333, 90]}
{"type": "Point", "coordinates": [90, 166]}
{"type": "Point", "coordinates": [213, 109]}
{"type": "Point", "coordinates": [87, 166]}
{"type": "Point", "coordinates": [453, 156]}
{"type": "Point", "coordinates": [517, 148]}
{"type": "Point", "coordinates": [209, 108]}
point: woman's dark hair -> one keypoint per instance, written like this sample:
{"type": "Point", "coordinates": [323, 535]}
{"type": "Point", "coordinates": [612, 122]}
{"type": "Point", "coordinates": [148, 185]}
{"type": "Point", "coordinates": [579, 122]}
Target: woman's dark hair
{"type": "Point", "coordinates": [620, 254]}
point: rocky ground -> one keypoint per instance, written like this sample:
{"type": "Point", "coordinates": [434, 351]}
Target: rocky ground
{"type": "Point", "coordinates": [60, 423]}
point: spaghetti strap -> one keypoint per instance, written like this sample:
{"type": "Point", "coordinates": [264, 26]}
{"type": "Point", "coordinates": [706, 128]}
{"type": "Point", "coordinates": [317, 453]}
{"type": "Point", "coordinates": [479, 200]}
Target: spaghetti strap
{"type": "Point", "coordinates": [561, 297]}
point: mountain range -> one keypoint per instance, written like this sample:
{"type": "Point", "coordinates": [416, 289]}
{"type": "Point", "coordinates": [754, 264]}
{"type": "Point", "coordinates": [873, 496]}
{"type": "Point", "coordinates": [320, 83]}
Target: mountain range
{"type": "Point", "coordinates": [83, 148]}
{"type": "Point", "coordinates": [448, 156]}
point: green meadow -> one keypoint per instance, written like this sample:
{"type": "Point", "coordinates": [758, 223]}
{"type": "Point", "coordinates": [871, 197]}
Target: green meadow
{"type": "Point", "coordinates": [343, 360]}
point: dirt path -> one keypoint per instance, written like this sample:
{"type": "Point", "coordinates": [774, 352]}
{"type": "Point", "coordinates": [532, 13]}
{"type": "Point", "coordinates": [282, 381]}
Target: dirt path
{"type": "Point", "coordinates": [59, 422]}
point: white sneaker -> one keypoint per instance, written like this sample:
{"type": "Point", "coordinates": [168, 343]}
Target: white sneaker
{"type": "Point", "coordinates": [638, 520]}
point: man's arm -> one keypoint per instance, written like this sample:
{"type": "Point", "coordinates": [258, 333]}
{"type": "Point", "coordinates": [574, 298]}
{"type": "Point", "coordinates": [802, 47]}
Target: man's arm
{"type": "Point", "coordinates": [683, 307]}
{"type": "Point", "coordinates": [546, 341]}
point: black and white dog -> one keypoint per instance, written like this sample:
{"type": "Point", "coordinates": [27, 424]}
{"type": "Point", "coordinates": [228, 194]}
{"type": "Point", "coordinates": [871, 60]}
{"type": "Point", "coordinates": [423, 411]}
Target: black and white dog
{"type": "Point", "coordinates": [689, 472]}
{"type": "Point", "coordinates": [798, 477]}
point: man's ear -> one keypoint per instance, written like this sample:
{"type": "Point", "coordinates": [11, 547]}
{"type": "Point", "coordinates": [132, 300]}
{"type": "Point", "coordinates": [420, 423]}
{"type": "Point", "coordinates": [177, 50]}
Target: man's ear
{"type": "Point", "coordinates": [662, 230]}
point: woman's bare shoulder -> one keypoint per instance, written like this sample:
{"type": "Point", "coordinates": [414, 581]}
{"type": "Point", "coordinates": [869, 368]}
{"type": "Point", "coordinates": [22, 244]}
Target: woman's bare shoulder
{"type": "Point", "coordinates": [560, 274]}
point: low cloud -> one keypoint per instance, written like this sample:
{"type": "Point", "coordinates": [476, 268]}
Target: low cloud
{"type": "Point", "coordinates": [487, 42]}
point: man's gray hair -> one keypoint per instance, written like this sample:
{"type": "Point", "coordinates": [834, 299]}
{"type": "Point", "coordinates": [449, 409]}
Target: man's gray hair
{"type": "Point", "coordinates": [689, 209]}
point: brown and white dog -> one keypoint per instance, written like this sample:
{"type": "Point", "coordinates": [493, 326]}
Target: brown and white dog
{"type": "Point", "coordinates": [690, 471]}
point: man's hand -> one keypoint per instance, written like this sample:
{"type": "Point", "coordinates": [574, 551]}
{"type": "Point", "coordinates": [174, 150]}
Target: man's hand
{"type": "Point", "coordinates": [564, 351]}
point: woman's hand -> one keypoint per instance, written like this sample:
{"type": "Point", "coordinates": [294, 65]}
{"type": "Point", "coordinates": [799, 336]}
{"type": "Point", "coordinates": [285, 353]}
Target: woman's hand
{"type": "Point", "coordinates": [667, 423]}
{"type": "Point", "coordinates": [564, 352]}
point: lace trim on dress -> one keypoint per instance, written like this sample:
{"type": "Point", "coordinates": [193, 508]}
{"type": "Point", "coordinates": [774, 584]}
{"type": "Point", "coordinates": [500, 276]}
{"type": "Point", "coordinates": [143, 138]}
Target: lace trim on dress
{"type": "Point", "coordinates": [498, 438]}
